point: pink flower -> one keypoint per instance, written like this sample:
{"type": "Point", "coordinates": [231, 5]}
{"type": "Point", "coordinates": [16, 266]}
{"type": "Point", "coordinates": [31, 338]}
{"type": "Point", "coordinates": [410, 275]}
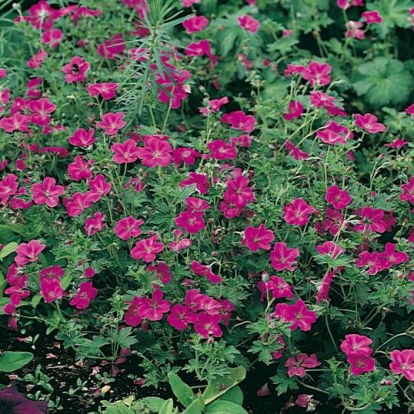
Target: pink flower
{"type": "Point", "coordinates": [189, 3]}
{"type": "Point", "coordinates": [132, 316]}
{"type": "Point", "coordinates": [407, 195]}
{"type": "Point", "coordinates": [154, 308]}
{"type": "Point", "coordinates": [297, 213]}
{"type": "Point", "coordinates": [214, 105]}
{"type": "Point", "coordinates": [82, 138]}
{"type": "Point", "coordinates": [35, 62]}
{"type": "Point", "coordinates": [52, 37]}
{"type": "Point", "coordinates": [195, 24]}
{"type": "Point", "coordinates": [80, 169]}
{"type": "Point", "coordinates": [392, 257]}
{"type": "Point", "coordinates": [162, 270]}
{"type": "Point", "coordinates": [297, 314]}
{"type": "Point", "coordinates": [222, 150]}
{"type": "Point", "coordinates": [28, 252]}
{"type": "Point", "coordinates": [51, 289]}
{"type": "Point", "coordinates": [76, 70]}
{"type": "Point", "coordinates": [112, 122]}
{"type": "Point", "coordinates": [8, 187]}
{"type": "Point", "coordinates": [107, 90]}
{"type": "Point", "coordinates": [323, 100]}
{"type": "Point", "coordinates": [185, 155]}
{"type": "Point", "coordinates": [295, 152]}
{"type": "Point", "coordinates": [255, 239]}
{"type": "Point", "coordinates": [76, 205]}
{"type": "Point", "coordinates": [296, 365]}
{"type": "Point", "coordinates": [372, 220]}
{"type": "Point", "coordinates": [398, 143]}
{"type": "Point", "coordinates": [47, 192]}
{"type": "Point", "coordinates": [180, 317]}
{"type": "Point", "coordinates": [317, 73]}
{"type": "Point", "coordinates": [112, 47]}
{"type": "Point", "coordinates": [403, 363]}
{"type": "Point", "coordinates": [354, 30]}
{"type": "Point", "coordinates": [128, 227]}
{"type": "Point", "coordinates": [249, 23]}
{"type": "Point", "coordinates": [99, 187]}
{"type": "Point", "coordinates": [368, 123]}
{"type": "Point", "coordinates": [294, 110]}
{"type": "Point", "coordinates": [94, 224]}
{"type": "Point", "coordinates": [85, 294]}
{"type": "Point", "coordinates": [372, 16]}
{"type": "Point", "coordinates": [283, 258]}
{"type": "Point", "coordinates": [239, 121]}
{"type": "Point", "coordinates": [207, 325]}
{"type": "Point", "coordinates": [334, 133]}
{"type": "Point", "coordinates": [355, 344]}
{"type": "Point", "coordinates": [200, 180]}
{"type": "Point", "coordinates": [239, 192]}
{"type": "Point", "coordinates": [147, 249]}
{"type": "Point", "coordinates": [324, 289]}
{"type": "Point", "coordinates": [330, 248]}
{"type": "Point", "coordinates": [278, 286]}
{"type": "Point", "coordinates": [155, 152]}
{"type": "Point", "coordinates": [125, 153]}
{"type": "Point", "coordinates": [199, 49]}
{"type": "Point", "coordinates": [205, 271]}
{"type": "Point", "coordinates": [375, 261]}
{"type": "Point", "coordinates": [196, 204]}
{"type": "Point", "coordinates": [16, 122]}
{"type": "Point", "coordinates": [337, 197]}
{"type": "Point", "coordinates": [361, 364]}
{"type": "Point", "coordinates": [192, 221]}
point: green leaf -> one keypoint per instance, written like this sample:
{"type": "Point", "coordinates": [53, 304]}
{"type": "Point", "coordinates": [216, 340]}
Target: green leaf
{"type": "Point", "coordinates": [8, 249]}
{"type": "Point", "coordinates": [224, 407]}
{"type": "Point", "coordinates": [235, 395]}
{"type": "Point", "coordinates": [226, 39]}
{"type": "Point", "coordinates": [154, 404]}
{"type": "Point", "coordinates": [282, 45]}
{"type": "Point", "coordinates": [196, 407]}
{"type": "Point", "coordinates": [181, 390]}
{"type": "Point", "coordinates": [12, 361]}
{"type": "Point", "coordinates": [384, 81]}
{"type": "Point", "coordinates": [221, 385]}
{"type": "Point", "coordinates": [167, 407]}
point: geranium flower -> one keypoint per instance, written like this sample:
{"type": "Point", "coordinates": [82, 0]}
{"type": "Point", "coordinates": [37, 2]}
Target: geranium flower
{"type": "Point", "coordinates": [196, 204]}
{"type": "Point", "coordinates": [128, 227]}
{"type": "Point", "coordinates": [51, 272]}
{"type": "Point", "coordinates": [52, 37]}
{"type": "Point", "coordinates": [372, 17]}
{"type": "Point", "coordinates": [294, 110]}
{"type": "Point", "coordinates": [368, 123]}
{"type": "Point", "coordinates": [317, 73]}
{"type": "Point", "coordinates": [200, 180]}
{"type": "Point", "coordinates": [214, 105]}
{"type": "Point", "coordinates": [94, 224]}
{"type": "Point", "coordinates": [222, 150]}
{"type": "Point", "coordinates": [35, 62]}
{"type": "Point", "coordinates": [162, 272]}
{"type": "Point", "coordinates": [355, 344]}
{"type": "Point", "coordinates": [297, 314]}
{"type": "Point", "coordinates": [125, 153]}
{"type": "Point", "coordinates": [354, 30]}
{"type": "Point", "coordinates": [147, 249]}
{"type": "Point", "coordinates": [278, 286]}
{"type": "Point", "coordinates": [372, 220]}
{"type": "Point", "coordinates": [85, 294]}
{"type": "Point", "coordinates": [239, 121]}
{"type": "Point", "coordinates": [361, 364]}
{"type": "Point", "coordinates": [403, 363]}
{"type": "Point", "coordinates": [8, 187]}
{"type": "Point", "coordinates": [51, 289]}
{"type": "Point", "coordinates": [99, 187]}
{"type": "Point", "coordinates": [324, 289]}
{"type": "Point", "coordinates": [185, 155]}
{"type": "Point", "coordinates": [111, 48]}
{"type": "Point", "coordinates": [283, 258]}
{"type": "Point", "coordinates": [239, 192]}
{"type": "Point", "coordinates": [407, 195]}
{"type": "Point", "coordinates": [28, 252]}
{"type": "Point", "coordinates": [154, 308]}
{"type": "Point", "coordinates": [12, 402]}
{"type": "Point", "coordinates": [334, 133]}
{"type": "Point", "coordinates": [297, 213]}
{"type": "Point", "coordinates": [106, 89]}
{"type": "Point", "coordinates": [77, 204]}
{"type": "Point", "coordinates": [192, 221]}
{"type": "Point", "coordinates": [337, 197]}
{"type": "Point", "coordinates": [248, 23]}
{"type": "Point", "coordinates": [375, 261]}
{"type": "Point", "coordinates": [132, 316]}
{"type": "Point", "coordinates": [296, 365]}
{"type": "Point", "coordinates": [155, 152]}
{"type": "Point", "coordinates": [295, 152]}
{"type": "Point", "coordinates": [195, 24]}
{"type": "Point", "coordinates": [112, 122]}
{"type": "Point", "coordinates": [330, 248]}
{"type": "Point", "coordinates": [205, 271]}
{"type": "Point", "coordinates": [207, 325]}
{"type": "Point", "coordinates": [16, 122]}
{"type": "Point", "coordinates": [257, 238]}
{"type": "Point", "coordinates": [76, 70]}
{"type": "Point", "coordinates": [82, 138]}
{"type": "Point", "coordinates": [47, 192]}
{"type": "Point", "coordinates": [181, 316]}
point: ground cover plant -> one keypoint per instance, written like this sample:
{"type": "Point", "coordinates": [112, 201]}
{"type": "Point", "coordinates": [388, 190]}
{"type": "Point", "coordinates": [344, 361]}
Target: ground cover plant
{"type": "Point", "coordinates": [205, 187]}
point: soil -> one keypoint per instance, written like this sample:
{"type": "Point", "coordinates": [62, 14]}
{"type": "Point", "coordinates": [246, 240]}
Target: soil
{"type": "Point", "coordinates": [77, 388]}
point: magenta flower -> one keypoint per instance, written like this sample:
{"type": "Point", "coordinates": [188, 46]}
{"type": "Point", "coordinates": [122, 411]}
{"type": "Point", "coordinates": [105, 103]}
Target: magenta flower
{"type": "Point", "coordinates": [238, 192]}
{"type": "Point", "coordinates": [372, 16]}
{"type": "Point", "coordinates": [154, 308]}
{"type": "Point", "coordinates": [199, 49]}
{"type": "Point", "coordinates": [155, 152]}
{"type": "Point", "coordinates": [375, 262]}
{"type": "Point", "coordinates": [407, 195]}
{"type": "Point", "coordinates": [51, 289]}
{"type": "Point", "coordinates": [278, 287]}
{"type": "Point", "coordinates": [47, 192]}
{"type": "Point", "coordinates": [255, 239]}
{"type": "Point", "coordinates": [297, 314]}
{"type": "Point", "coordinates": [200, 180]}
{"type": "Point", "coordinates": [295, 152]}
{"type": "Point", "coordinates": [222, 150]}
{"type": "Point", "coordinates": [85, 294]}
{"type": "Point", "coordinates": [35, 62]}
{"type": "Point", "coordinates": [195, 24]}
{"type": "Point", "coordinates": [112, 47]}
{"type": "Point", "coordinates": [334, 133]}
{"type": "Point", "coordinates": [76, 70]}
{"type": "Point", "coordinates": [162, 270]}
{"type": "Point", "coordinates": [330, 248]}
{"type": "Point", "coordinates": [368, 123]}
{"type": "Point", "coordinates": [317, 73]}
{"type": "Point", "coordinates": [82, 138]}
{"type": "Point", "coordinates": [52, 37]}
{"type": "Point", "coordinates": [205, 271]}
{"type": "Point", "coordinates": [99, 187]}
{"type": "Point", "coordinates": [180, 317]}
{"type": "Point", "coordinates": [239, 121]}
{"type": "Point", "coordinates": [283, 258]}
{"type": "Point", "coordinates": [403, 363]}
{"type": "Point", "coordinates": [51, 272]}
{"type": "Point", "coordinates": [128, 227]}
{"type": "Point", "coordinates": [147, 249]}
{"type": "Point", "coordinates": [372, 220]}
{"type": "Point", "coordinates": [297, 213]}
{"type": "Point", "coordinates": [192, 221]}
{"type": "Point", "coordinates": [249, 23]}
{"type": "Point", "coordinates": [361, 364]}
{"type": "Point", "coordinates": [125, 153]}
{"type": "Point", "coordinates": [214, 105]}
{"type": "Point", "coordinates": [337, 197]}
{"type": "Point", "coordinates": [94, 224]}
{"type": "Point", "coordinates": [207, 325]}
{"type": "Point", "coordinates": [28, 252]}
{"type": "Point", "coordinates": [80, 169]}
{"type": "Point", "coordinates": [112, 122]}
{"type": "Point", "coordinates": [296, 365]}
{"type": "Point", "coordinates": [132, 316]}
{"type": "Point", "coordinates": [106, 89]}
{"type": "Point", "coordinates": [354, 29]}
{"type": "Point", "coordinates": [324, 289]}
{"type": "Point", "coordinates": [294, 110]}
{"type": "Point", "coordinates": [355, 344]}
{"type": "Point", "coordinates": [185, 155]}
{"type": "Point", "coordinates": [8, 187]}
{"type": "Point", "coordinates": [392, 257]}
{"type": "Point", "coordinates": [196, 204]}
{"type": "Point", "coordinates": [76, 205]}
